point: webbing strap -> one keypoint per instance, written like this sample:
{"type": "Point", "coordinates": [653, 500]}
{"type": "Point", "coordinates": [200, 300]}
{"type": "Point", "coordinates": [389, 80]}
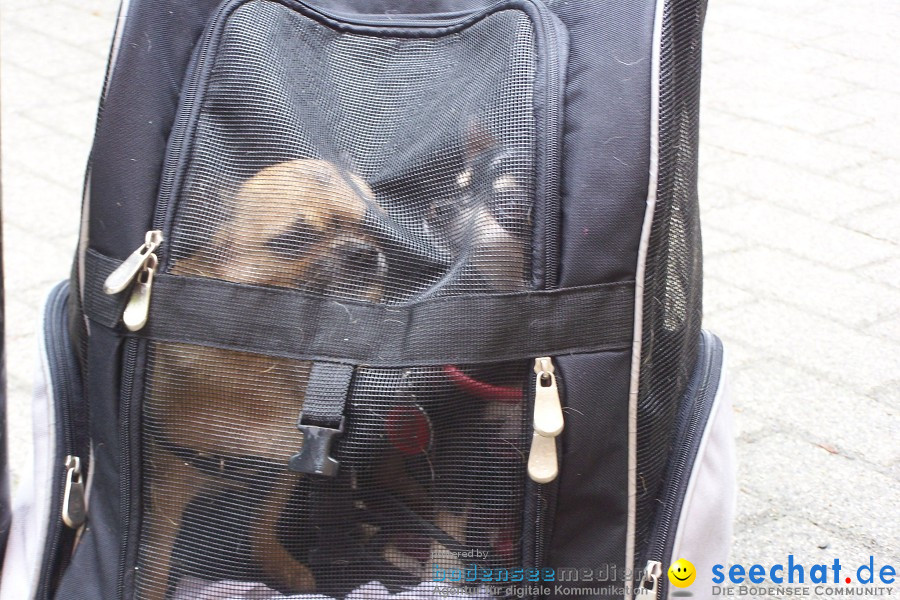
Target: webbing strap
{"type": "Point", "coordinates": [322, 417]}
{"type": "Point", "coordinates": [326, 394]}
{"type": "Point", "coordinates": [466, 329]}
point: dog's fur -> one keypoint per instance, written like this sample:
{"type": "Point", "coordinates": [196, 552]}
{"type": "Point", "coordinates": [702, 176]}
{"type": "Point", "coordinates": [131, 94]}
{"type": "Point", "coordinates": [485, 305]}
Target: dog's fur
{"type": "Point", "coordinates": [296, 224]}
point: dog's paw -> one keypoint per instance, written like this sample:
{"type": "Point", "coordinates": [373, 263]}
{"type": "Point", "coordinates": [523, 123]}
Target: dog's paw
{"type": "Point", "coordinates": [298, 579]}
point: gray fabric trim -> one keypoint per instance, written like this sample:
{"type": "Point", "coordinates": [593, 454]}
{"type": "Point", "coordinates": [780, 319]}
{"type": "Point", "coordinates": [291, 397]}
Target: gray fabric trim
{"type": "Point", "coordinates": [707, 513]}
{"type": "Point", "coordinates": [467, 329]}
{"type": "Point", "coordinates": [639, 294]}
{"type": "Point", "coordinates": [31, 516]}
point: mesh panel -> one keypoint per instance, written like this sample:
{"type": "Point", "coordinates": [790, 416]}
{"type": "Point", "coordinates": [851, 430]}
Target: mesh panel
{"type": "Point", "coordinates": [672, 286]}
{"type": "Point", "coordinates": [366, 168]}
{"type": "Point", "coordinates": [430, 468]}
{"type": "Point", "coordinates": [424, 178]}
{"type": "Point", "coordinates": [425, 8]}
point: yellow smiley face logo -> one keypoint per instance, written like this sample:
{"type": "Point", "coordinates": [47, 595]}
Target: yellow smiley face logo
{"type": "Point", "coordinates": [682, 573]}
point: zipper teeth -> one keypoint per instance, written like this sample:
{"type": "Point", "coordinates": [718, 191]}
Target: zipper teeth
{"type": "Point", "coordinates": [665, 521]}
{"type": "Point", "coordinates": [60, 351]}
{"type": "Point", "coordinates": [539, 496]}
{"type": "Point", "coordinates": [131, 351]}
{"type": "Point", "coordinates": [539, 532]}
{"type": "Point", "coordinates": [61, 385]}
{"type": "Point", "coordinates": [657, 545]}
{"type": "Point", "coordinates": [450, 21]}
{"type": "Point", "coordinates": [178, 144]}
{"type": "Point", "coordinates": [551, 201]}
{"type": "Point", "coordinates": [551, 241]}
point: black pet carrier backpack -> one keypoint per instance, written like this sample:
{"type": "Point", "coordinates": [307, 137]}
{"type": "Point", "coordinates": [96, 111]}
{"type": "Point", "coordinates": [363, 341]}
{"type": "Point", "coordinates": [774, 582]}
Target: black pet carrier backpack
{"type": "Point", "coordinates": [383, 299]}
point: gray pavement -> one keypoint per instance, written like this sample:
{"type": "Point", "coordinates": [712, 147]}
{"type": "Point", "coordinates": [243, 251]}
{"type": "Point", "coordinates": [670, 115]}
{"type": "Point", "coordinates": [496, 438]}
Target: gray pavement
{"type": "Point", "coordinates": [799, 167]}
{"type": "Point", "coordinates": [52, 62]}
{"type": "Point", "coordinates": [802, 246]}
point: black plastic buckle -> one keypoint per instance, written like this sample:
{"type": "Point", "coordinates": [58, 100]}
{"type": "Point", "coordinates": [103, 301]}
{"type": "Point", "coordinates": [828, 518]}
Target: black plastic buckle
{"type": "Point", "coordinates": [315, 457]}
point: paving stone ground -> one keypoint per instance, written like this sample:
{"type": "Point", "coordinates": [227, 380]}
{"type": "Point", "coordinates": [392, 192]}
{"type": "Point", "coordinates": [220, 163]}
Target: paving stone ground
{"type": "Point", "coordinates": [799, 167]}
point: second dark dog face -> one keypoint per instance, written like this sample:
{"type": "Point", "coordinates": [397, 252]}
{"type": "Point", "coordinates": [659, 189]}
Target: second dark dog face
{"type": "Point", "coordinates": [298, 224]}
{"type": "Point", "coordinates": [485, 221]}
{"type": "Point", "coordinates": [490, 185]}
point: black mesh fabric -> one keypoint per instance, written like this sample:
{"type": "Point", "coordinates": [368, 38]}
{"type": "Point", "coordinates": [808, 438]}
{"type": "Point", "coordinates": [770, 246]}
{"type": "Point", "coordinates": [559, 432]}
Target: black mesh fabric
{"type": "Point", "coordinates": [425, 8]}
{"type": "Point", "coordinates": [377, 169]}
{"type": "Point", "coordinates": [673, 278]}
{"type": "Point", "coordinates": [432, 467]}
{"type": "Point", "coordinates": [425, 144]}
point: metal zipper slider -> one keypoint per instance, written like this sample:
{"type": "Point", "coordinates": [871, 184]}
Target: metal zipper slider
{"type": "Point", "coordinates": [73, 509]}
{"type": "Point", "coordinates": [652, 573]}
{"type": "Point", "coordinates": [543, 462]}
{"type": "Point", "coordinates": [548, 415]}
{"type": "Point", "coordinates": [125, 273]}
{"type": "Point", "coordinates": [138, 309]}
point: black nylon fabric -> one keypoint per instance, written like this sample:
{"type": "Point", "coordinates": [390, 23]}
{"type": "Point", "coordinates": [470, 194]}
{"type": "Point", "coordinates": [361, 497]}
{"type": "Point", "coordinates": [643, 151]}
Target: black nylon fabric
{"type": "Point", "coordinates": [93, 571]}
{"type": "Point", "coordinates": [605, 175]}
{"type": "Point", "coordinates": [606, 137]}
{"type": "Point", "coordinates": [136, 117]}
{"type": "Point", "coordinates": [98, 305]}
{"type": "Point", "coordinates": [591, 517]}
{"type": "Point", "coordinates": [126, 159]}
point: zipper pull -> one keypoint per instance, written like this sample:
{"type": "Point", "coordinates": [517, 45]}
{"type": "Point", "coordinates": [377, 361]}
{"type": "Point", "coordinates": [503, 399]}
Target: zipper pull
{"type": "Point", "coordinates": [543, 463]}
{"type": "Point", "coordinates": [138, 309]}
{"type": "Point", "coordinates": [125, 273]}
{"type": "Point", "coordinates": [652, 573]}
{"type": "Point", "coordinates": [548, 415]}
{"type": "Point", "coordinates": [73, 509]}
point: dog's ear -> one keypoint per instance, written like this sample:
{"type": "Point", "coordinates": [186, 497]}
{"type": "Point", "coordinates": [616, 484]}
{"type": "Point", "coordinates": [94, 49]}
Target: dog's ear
{"type": "Point", "coordinates": [220, 211]}
{"type": "Point", "coordinates": [359, 186]}
{"type": "Point", "coordinates": [215, 258]}
{"type": "Point", "coordinates": [477, 140]}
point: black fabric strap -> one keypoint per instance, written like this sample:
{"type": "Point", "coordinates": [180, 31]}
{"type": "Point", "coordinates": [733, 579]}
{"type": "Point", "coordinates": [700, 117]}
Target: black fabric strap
{"type": "Point", "coordinates": [322, 418]}
{"type": "Point", "coordinates": [98, 305]}
{"type": "Point", "coordinates": [326, 393]}
{"type": "Point", "coordinates": [468, 329]}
